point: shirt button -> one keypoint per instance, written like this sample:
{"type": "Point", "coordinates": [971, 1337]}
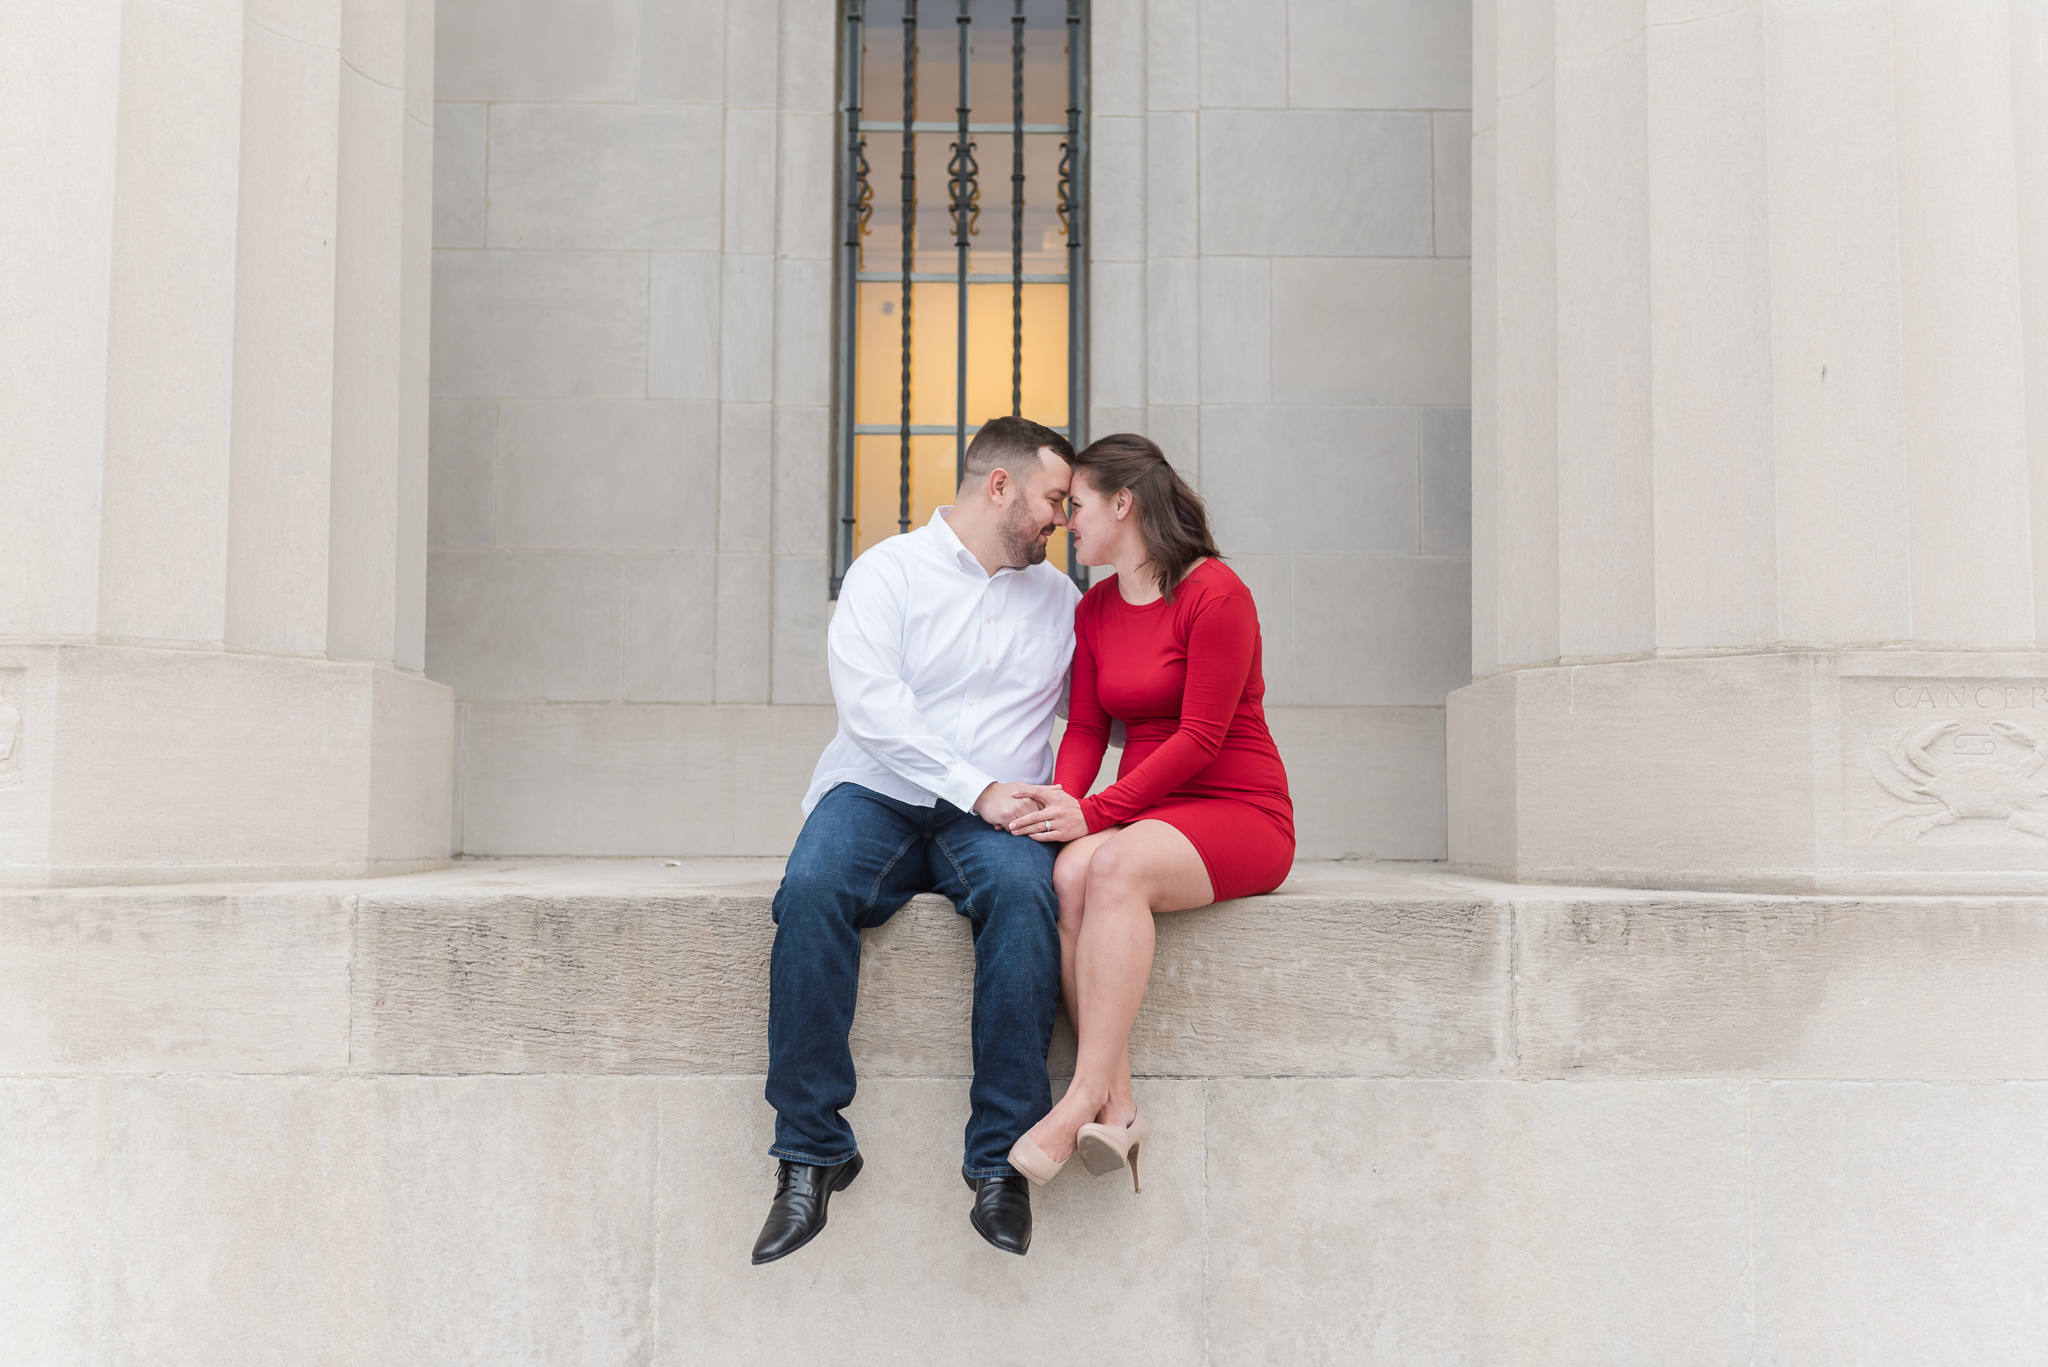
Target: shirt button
{"type": "Point", "coordinates": [970, 702]}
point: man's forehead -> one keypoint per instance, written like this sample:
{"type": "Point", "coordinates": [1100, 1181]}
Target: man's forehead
{"type": "Point", "coordinates": [1054, 474]}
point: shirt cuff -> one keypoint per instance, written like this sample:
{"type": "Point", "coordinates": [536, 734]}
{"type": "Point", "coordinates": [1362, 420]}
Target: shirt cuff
{"type": "Point", "coordinates": [963, 786]}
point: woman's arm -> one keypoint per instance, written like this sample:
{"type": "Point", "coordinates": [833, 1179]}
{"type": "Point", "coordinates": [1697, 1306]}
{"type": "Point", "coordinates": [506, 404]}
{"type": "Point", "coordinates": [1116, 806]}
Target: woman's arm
{"type": "Point", "coordinates": [1221, 639]}
{"type": "Point", "coordinates": [1087, 737]}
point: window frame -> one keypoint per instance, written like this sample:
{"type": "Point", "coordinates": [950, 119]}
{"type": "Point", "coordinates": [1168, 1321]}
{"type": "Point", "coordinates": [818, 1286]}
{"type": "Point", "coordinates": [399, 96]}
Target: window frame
{"type": "Point", "coordinates": [853, 195]}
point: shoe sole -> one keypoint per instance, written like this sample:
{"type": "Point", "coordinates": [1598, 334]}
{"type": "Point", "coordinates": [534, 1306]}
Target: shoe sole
{"type": "Point", "coordinates": [1099, 1158]}
{"type": "Point", "coordinates": [841, 1183]}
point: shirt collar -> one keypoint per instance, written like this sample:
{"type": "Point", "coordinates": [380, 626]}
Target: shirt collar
{"type": "Point", "coordinates": [951, 544]}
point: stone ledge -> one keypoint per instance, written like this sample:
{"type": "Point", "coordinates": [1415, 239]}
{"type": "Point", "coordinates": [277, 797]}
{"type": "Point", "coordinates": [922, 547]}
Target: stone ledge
{"type": "Point", "coordinates": [646, 967]}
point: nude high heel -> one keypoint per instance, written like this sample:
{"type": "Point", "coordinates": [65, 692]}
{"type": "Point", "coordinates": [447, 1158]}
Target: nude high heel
{"type": "Point", "coordinates": [1105, 1148]}
{"type": "Point", "coordinates": [1027, 1158]}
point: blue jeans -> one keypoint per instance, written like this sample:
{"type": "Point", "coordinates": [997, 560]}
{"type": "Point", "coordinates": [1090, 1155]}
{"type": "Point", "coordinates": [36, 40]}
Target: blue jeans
{"type": "Point", "coordinates": [861, 856]}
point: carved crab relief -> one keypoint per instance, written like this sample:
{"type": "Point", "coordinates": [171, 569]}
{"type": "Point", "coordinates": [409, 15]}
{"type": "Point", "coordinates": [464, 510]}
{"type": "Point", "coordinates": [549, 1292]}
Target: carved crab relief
{"type": "Point", "coordinates": [1950, 771]}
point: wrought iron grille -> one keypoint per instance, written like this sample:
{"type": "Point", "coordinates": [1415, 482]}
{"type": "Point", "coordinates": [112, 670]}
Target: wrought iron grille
{"type": "Point", "coordinates": [942, 326]}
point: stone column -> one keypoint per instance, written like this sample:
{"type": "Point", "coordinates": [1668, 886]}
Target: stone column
{"type": "Point", "coordinates": [1760, 446]}
{"type": "Point", "coordinates": [213, 469]}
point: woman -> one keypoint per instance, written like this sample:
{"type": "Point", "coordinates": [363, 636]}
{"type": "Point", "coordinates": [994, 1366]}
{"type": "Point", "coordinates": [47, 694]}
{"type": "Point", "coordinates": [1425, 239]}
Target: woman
{"type": "Point", "coordinates": [1199, 811]}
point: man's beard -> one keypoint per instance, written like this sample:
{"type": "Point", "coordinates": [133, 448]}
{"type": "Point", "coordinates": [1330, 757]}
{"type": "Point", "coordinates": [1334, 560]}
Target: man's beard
{"type": "Point", "coordinates": [1021, 543]}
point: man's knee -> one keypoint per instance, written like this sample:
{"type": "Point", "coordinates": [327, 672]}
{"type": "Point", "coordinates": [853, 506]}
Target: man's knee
{"type": "Point", "coordinates": [814, 891]}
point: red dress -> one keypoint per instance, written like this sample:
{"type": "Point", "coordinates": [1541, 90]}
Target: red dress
{"type": "Point", "coordinates": [1184, 679]}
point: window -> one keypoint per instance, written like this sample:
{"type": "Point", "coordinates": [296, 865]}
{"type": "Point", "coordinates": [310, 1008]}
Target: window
{"type": "Point", "coordinates": [962, 273]}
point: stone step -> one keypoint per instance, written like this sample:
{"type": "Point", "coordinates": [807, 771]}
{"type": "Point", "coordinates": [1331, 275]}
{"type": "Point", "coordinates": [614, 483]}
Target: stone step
{"type": "Point", "coordinates": [653, 967]}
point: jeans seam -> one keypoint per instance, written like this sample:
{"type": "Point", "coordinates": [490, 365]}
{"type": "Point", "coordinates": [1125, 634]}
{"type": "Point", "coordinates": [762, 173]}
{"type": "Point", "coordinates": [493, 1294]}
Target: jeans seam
{"type": "Point", "coordinates": [875, 892]}
{"type": "Point", "coordinates": [793, 1156]}
{"type": "Point", "coordinates": [965, 881]}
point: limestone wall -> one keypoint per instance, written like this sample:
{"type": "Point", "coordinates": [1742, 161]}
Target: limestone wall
{"type": "Point", "coordinates": [512, 1113]}
{"type": "Point", "coordinates": [213, 442]}
{"type": "Point", "coordinates": [632, 457]}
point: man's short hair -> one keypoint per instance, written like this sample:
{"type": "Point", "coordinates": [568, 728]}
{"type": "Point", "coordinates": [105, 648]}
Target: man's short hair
{"type": "Point", "coordinates": [1008, 443]}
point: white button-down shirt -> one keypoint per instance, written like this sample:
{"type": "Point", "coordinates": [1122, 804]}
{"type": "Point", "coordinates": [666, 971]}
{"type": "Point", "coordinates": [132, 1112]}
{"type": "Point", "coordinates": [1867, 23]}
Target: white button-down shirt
{"type": "Point", "coordinates": [947, 677]}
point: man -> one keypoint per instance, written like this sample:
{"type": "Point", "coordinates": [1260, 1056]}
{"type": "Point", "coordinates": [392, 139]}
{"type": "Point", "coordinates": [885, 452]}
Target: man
{"type": "Point", "coordinates": [949, 652]}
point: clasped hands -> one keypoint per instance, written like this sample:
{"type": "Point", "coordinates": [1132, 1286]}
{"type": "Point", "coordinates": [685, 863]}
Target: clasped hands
{"type": "Point", "coordinates": [1043, 811]}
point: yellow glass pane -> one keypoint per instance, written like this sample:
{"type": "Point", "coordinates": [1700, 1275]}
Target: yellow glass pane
{"type": "Point", "coordinates": [934, 334]}
{"type": "Point", "coordinates": [878, 489]}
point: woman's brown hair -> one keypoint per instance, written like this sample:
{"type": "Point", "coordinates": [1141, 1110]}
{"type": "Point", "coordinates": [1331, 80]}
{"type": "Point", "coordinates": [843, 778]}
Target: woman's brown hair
{"type": "Point", "coordinates": [1171, 517]}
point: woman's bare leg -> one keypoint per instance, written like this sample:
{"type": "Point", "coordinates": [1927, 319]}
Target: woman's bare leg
{"type": "Point", "coordinates": [1070, 882]}
{"type": "Point", "coordinates": [1143, 869]}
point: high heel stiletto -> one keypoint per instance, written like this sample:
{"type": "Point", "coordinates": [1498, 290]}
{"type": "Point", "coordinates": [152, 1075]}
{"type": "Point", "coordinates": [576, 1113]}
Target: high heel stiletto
{"type": "Point", "coordinates": [1105, 1148]}
{"type": "Point", "coordinates": [1027, 1158]}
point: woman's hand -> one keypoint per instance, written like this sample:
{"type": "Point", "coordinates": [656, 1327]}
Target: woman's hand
{"type": "Point", "coordinates": [1059, 820]}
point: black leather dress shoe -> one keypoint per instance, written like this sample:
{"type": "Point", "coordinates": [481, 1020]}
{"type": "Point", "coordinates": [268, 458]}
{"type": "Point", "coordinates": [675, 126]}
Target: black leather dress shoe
{"type": "Point", "coordinates": [797, 1214]}
{"type": "Point", "coordinates": [1002, 1211]}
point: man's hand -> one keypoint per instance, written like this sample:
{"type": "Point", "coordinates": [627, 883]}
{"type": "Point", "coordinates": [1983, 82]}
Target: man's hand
{"type": "Point", "coordinates": [998, 808]}
{"type": "Point", "coordinates": [1058, 819]}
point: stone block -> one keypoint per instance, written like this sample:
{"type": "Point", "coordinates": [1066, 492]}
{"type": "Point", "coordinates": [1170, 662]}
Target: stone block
{"type": "Point", "coordinates": [510, 1219]}
{"type": "Point", "coordinates": [1110, 1273]}
{"type": "Point", "coordinates": [370, 385]}
{"type": "Point", "coordinates": [517, 983]}
{"type": "Point", "coordinates": [1813, 988]}
{"type": "Point", "coordinates": [1446, 481]}
{"type": "Point", "coordinates": [1311, 481]}
{"type": "Point", "coordinates": [1271, 581]}
{"type": "Point", "coordinates": [1244, 54]}
{"type": "Point", "coordinates": [1173, 361]}
{"type": "Point", "coordinates": [646, 779]}
{"type": "Point", "coordinates": [803, 609]}
{"type": "Point", "coordinates": [747, 329]}
{"type": "Point", "coordinates": [167, 982]}
{"type": "Point", "coordinates": [1380, 630]}
{"type": "Point", "coordinates": [683, 332]}
{"type": "Point", "coordinates": [808, 57]}
{"type": "Point", "coordinates": [744, 617]}
{"type": "Point", "coordinates": [1171, 193]}
{"type": "Point", "coordinates": [272, 770]}
{"type": "Point", "coordinates": [1116, 222]}
{"type": "Point", "coordinates": [752, 34]}
{"type": "Point", "coordinates": [525, 624]}
{"type": "Point", "coordinates": [373, 39]}
{"type": "Point", "coordinates": [627, 177]}
{"type": "Point", "coordinates": [1898, 1223]}
{"type": "Point", "coordinates": [682, 51]}
{"type": "Point", "coordinates": [163, 468]}
{"type": "Point", "coordinates": [746, 476]}
{"type": "Point", "coordinates": [806, 157]}
{"type": "Point", "coordinates": [1268, 188]}
{"type": "Point", "coordinates": [1117, 58]}
{"type": "Point", "coordinates": [1173, 68]}
{"type": "Point", "coordinates": [459, 139]}
{"type": "Point", "coordinates": [280, 484]}
{"type": "Point", "coordinates": [538, 324]}
{"type": "Point", "coordinates": [616, 474]}
{"type": "Point", "coordinates": [462, 472]}
{"type": "Point", "coordinates": [53, 1134]}
{"type": "Point", "coordinates": [1379, 54]}
{"type": "Point", "coordinates": [535, 49]}
{"type": "Point", "coordinates": [802, 354]}
{"type": "Point", "coordinates": [1367, 782]}
{"type": "Point", "coordinates": [1236, 330]}
{"type": "Point", "coordinates": [750, 180]}
{"type": "Point", "coordinates": [64, 79]}
{"type": "Point", "coordinates": [1474, 1221]}
{"type": "Point", "coordinates": [1177, 428]}
{"type": "Point", "coordinates": [1372, 331]}
{"type": "Point", "coordinates": [667, 647]}
{"type": "Point", "coordinates": [1451, 151]}
{"type": "Point", "coordinates": [1710, 263]}
{"type": "Point", "coordinates": [802, 458]}
{"type": "Point", "coordinates": [1116, 334]}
